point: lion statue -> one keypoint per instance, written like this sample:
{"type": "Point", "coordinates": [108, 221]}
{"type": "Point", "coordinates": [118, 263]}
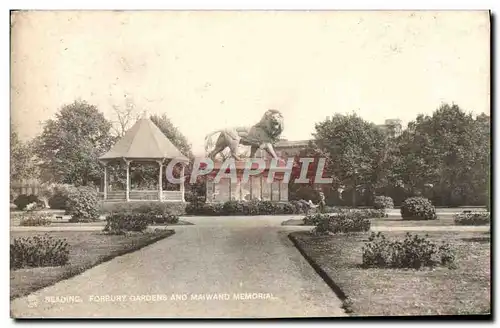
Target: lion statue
{"type": "Point", "coordinates": [260, 136]}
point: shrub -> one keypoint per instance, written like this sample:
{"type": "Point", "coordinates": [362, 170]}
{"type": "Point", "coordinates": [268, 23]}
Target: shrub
{"type": "Point", "coordinates": [253, 207]}
{"type": "Point", "coordinates": [365, 212]}
{"type": "Point", "coordinates": [155, 211]}
{"type": "Point", "coordinates": [151, 212]}
{"type": "Point", "coordinates": [301, 206]}
{"type": "Point", "coordinates": [322, 224]}
{"type": "Point", "coordinates": [338, 223]}
{"type": "Point", "coordinates": [315, 219]}
{"type": "Point", "coordinates": [83, 204]}
{"type": "Point", "coordinates": [413, 252]}
{"type": "Point", "coordinates": [176, 208]}
{"type": "Point", "coordinates": [213, 209]}
{"type": "Point", "coordinates": [208, 209]}
{"type": "Point", "coordinates": [75, 219]}
{"type": "Point", "coordinates": [266, 207]}
{"type": "Point", "coordinates": [232, 208]}
{"type": "Point", "coordinates": [165, 219]}
{"type": "Point", "coordinates": [331, 209]}
{"type": "Point", "coordinates": [383, 202]}
{"type": "Point", "coordinates": [286, 208]}
{"type": "Point", "coordinates": [120, 223]}
{"type": "Point", "coordinates": [194, 208]}
{"type": "Point", "coordinates": [349, 222]}
{"type": "Point", "coordinates": [418, 208]}
{"type": "Point", "coordinates": [60, 196]}
{"type": "Point", "coordinates": [473, 218]}
{"type": "Point", "coordinates": [35, 219]}
{"type": "Point", "coordinates": [38, 251]}
{"type": "Point", "coordinates": [153, 208]}
{"type": "Point", "coordinates": [23, 200]}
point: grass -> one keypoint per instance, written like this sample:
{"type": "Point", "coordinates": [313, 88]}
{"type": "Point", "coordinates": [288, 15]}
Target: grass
{"type": "Point", "coordinates": [64, 222]}
{"type": "Point", "coordinates": [16, 212]}
{"type": "Point", "coordinates": [103, 223]}
{"type": "Point", "coordinates": [399, 292]}
{"type": "Point", "coordinates": [87, 249]}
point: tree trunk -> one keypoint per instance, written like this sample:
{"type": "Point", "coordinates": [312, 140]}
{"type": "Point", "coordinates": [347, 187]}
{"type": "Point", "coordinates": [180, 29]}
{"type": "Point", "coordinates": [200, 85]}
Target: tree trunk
{"type": "Point", "coordinates": [354, 195]}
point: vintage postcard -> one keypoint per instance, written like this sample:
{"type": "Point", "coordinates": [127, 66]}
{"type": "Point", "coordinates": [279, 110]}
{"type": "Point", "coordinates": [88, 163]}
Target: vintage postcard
{"type": "Point", "coordinates": [250, 164]}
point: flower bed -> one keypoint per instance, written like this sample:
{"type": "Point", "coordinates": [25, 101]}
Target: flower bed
{"type": "Point", "coordinates": [472, 218]}
{"type": "Point", "coordinates": [247, 208]}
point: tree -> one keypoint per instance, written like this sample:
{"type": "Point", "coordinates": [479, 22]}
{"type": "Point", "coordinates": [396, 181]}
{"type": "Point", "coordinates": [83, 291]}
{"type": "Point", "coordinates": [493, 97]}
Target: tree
{"type": "Point", "coordinates": [306, 191]}
{"type": "Point", "coordinates": [448, 153]}
{"type": "Point", "coordinates": [71, 144]}
{"type": "Point", "coordinates": [355, 151]}
{"type": "Point", "coordinates": [22, 161]}
{"type": "Point", "coordinates": [124, 117]}
{"type": "Point", "coordinates": [173, 134]}
{"type": "Point", "coordinates": [480, 172]}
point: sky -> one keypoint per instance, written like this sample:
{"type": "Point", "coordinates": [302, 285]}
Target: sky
{"type": "Point", "coordinates": [208, 70]}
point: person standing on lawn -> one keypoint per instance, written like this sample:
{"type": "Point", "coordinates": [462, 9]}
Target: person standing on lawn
{"type": "Point", "coordinates": [322, 203]}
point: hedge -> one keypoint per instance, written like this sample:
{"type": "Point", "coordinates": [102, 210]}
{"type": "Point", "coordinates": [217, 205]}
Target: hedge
{"type": "Point", "coordinates": [174, 208]}
{"type": "Point", "coordinates": [247, 208]}
{"type": "Point", "coordinates": [473, 218]}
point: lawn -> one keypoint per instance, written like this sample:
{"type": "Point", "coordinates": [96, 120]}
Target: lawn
{"type": "Point", "coordinates": [103, 223]}
{"type": "Point", "coordinates": [87, 249]}
{"type": "Point", "coordinates": [64, 222]}
{"type": "Point", "coordinates": [398, 292]}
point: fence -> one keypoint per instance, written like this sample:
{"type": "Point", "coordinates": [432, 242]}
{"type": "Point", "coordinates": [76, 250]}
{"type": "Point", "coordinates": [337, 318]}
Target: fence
{"type": "Point", "coordinates": [142, 195]}
{"type": "Point", "coordinates": [27, 187]}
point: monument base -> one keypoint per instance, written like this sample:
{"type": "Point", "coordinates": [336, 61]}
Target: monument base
{"type": "Point", "coordinates": [256, 188]}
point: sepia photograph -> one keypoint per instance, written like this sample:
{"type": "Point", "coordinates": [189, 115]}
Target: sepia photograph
{"type": "Point", "coordinates": [190, 164]}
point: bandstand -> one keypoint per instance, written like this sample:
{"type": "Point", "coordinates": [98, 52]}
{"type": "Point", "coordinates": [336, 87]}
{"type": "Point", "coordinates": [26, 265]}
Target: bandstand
{"type": "Point", "coordinates": [143, 143]}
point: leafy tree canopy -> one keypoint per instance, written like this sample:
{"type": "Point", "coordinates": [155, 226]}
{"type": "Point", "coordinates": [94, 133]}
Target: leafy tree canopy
{"type": "Point", "coordinates": [173, 134]}
{"type": "Point", "coordinates": [22, 159]}
{"type": "Point", "coordinates": [71, 144]}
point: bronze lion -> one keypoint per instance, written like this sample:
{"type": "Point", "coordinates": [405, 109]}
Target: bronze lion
{"type": "Point", "coordinates": [259, 136]}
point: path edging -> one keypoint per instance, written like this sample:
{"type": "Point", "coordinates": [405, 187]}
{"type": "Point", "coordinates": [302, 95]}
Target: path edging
{"type": "Point", "coordinates": [326, 278]}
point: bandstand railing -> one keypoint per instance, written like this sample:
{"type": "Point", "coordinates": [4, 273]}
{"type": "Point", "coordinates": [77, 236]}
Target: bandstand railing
{"type": "Point", "coordinates": [142, 195]}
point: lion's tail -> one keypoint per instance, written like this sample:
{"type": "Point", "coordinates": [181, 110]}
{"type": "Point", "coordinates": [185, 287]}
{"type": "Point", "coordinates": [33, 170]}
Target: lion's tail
{"type": "Point", "coordinates": [209, 142]}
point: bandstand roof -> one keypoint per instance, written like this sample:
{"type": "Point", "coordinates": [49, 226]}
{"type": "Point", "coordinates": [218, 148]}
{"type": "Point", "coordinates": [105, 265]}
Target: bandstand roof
{"type": "Point", "coordinates": [144, 140]}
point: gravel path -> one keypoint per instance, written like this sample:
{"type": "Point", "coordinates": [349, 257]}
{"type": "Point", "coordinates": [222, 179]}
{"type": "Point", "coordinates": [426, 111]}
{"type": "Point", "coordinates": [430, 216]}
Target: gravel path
{"type": "Point", "coordinates": [249, 264]}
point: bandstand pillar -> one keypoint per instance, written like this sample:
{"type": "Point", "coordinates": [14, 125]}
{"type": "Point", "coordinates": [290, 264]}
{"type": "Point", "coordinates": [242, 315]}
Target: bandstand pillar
{"type": "Point", "coordinates": [127, 192]}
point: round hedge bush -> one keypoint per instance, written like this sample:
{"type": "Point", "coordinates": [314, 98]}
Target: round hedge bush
{"type": "Point", "coordinates": [59, 196]}
{"type": "Point", "coordinates": [23, 200]}
{"type": "Point", "coordinates": [383, 202]}
{"type": "Point", "coordinates": [83, 204]}
{"type": "Point", "coordinates": [58, 202]}
{"type": "Point", "coordinates": [418, 208]}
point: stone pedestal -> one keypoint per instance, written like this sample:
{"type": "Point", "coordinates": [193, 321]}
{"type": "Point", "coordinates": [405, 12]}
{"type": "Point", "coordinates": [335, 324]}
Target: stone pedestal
{"type": "Point", "coordinates": [256, 188]}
